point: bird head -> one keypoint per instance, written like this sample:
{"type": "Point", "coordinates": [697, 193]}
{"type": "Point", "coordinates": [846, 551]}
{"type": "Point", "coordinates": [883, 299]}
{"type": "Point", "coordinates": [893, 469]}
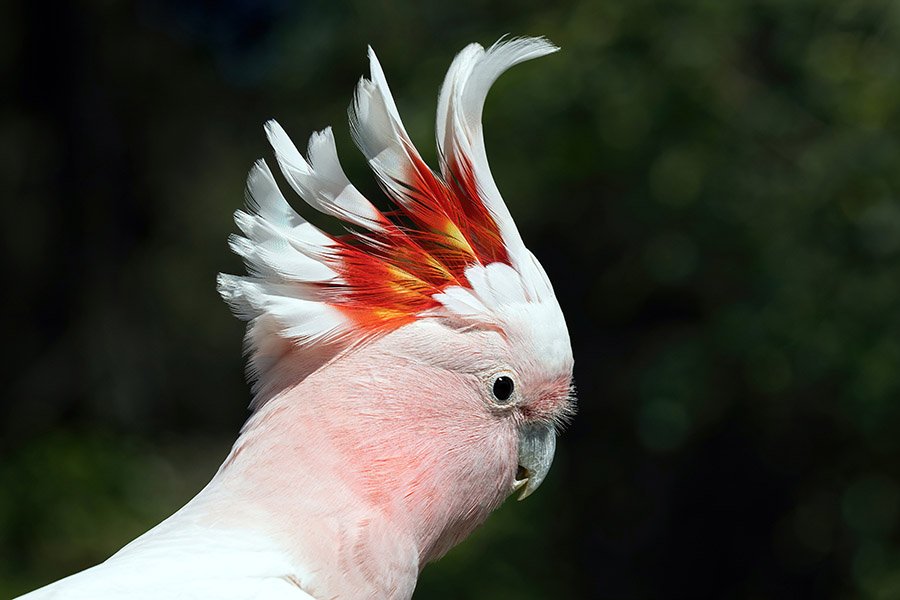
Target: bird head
{"type": "Point", "coordinates": [428, 337]}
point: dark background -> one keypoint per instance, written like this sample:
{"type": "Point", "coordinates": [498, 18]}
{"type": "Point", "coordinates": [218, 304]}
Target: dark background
{"type": "Point", "coordinates": [712, 186]}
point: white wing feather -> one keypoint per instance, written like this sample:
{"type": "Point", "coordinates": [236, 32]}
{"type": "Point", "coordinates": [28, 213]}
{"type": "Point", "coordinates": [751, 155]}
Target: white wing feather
{"type": "Point", "coordinates": [180, 560]}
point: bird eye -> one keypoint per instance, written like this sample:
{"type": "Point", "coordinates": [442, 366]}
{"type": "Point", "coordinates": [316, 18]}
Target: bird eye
{"type": "Point", "coordinates": [503, 388]}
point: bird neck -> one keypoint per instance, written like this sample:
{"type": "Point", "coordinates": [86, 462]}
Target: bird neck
{"type": "Point", "coordinates": [366, 470]}
{"type": "Point", "coordinates": [356, 488]}
{"type": "Point", "coordinates": [293, 492]}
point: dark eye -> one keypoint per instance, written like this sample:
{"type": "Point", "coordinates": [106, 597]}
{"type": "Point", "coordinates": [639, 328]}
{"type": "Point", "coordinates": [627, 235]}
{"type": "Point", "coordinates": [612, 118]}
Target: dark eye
{"type": "Point", "coordinates": [503, 388]}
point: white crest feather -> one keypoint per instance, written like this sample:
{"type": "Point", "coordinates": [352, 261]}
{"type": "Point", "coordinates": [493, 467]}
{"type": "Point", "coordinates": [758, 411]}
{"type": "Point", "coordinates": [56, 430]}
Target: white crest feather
{"type": "Point", "coordinates": [379, 132]}
{"type": "Point", "coordinates": [459, 129]}
{"type": "Point", "coordinates": [297, 274]}
{"type": "Point", "coordinates": [321, 181]}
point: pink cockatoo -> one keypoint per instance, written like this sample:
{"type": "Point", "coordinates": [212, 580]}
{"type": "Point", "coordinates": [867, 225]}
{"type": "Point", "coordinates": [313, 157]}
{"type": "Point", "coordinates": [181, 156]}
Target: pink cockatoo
{"type": "Point", "coordinates": [409, 374]}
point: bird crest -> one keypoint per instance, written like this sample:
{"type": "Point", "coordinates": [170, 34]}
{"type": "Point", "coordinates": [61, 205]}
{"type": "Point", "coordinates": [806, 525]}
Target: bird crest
{"type": "Point", "coordinates": [447, 249]}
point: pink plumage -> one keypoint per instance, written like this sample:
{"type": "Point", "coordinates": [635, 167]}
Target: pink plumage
{"type": "Point", "coordinates": [410, 374]}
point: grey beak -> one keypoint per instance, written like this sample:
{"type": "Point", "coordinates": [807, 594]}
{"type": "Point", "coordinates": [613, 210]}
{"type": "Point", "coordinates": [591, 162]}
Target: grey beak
{"type": "Point", "coordinates": [537, 443]}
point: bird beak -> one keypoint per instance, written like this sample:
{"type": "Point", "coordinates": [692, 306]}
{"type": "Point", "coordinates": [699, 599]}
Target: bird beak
{"type": "Point", "coordinates": [537, 443]}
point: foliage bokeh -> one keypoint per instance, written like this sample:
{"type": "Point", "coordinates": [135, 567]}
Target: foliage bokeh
{"type": "Point", "coordinates": [712, 186]}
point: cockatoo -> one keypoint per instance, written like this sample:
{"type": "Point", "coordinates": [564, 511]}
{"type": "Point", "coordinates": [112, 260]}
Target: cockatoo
{"type": "Point", "coordinates": [410, 374]}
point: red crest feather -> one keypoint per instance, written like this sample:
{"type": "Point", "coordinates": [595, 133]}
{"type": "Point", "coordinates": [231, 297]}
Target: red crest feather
{"type": "Point", "coordinates": [389, 276]}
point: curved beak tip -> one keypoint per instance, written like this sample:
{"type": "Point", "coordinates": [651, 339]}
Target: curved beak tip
{"type": "Point", "coordinates": [537, 445]}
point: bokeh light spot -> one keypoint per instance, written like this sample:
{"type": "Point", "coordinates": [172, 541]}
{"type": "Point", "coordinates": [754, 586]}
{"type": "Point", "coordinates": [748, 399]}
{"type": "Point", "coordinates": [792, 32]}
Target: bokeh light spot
{"type": "Point", "coordinates": [671, 257]}
{"type": "Point", "coordinates": [663, 424]}
{"type": "Point", "coordinates": [871, 505]}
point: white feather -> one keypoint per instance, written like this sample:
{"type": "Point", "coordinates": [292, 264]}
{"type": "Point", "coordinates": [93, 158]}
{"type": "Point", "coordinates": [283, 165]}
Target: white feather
{"type": "Point", "coordinates": [459, 128]}
{"type": "Point", "coordinates": [181, 559]}
{"type": "Point", "coordinates": [463, 303]}
{"type": "Point", "coordinates": [266, 200]}
{"type": "Point", "coordinates": [321, 181]}
{"type": "Point", "coordinates": [496, 286]}
{"type": "Point", "coordinates": [505, 284]}
{"type": "Point", "coordinates": [379, 133]}
{"type": "Point", "coordinates": [301, 316]}
{"type": "Point", "coordinates": [276, 257]}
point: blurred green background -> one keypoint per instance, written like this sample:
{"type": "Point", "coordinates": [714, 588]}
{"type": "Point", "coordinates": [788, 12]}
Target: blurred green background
{"type": "Point", "coordinates": [712, 186]}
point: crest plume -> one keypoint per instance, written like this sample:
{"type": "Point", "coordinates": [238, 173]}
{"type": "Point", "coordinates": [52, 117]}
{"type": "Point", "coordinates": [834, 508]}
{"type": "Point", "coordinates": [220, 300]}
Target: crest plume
{"type": "Point", "coordinates": [448, 249]}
